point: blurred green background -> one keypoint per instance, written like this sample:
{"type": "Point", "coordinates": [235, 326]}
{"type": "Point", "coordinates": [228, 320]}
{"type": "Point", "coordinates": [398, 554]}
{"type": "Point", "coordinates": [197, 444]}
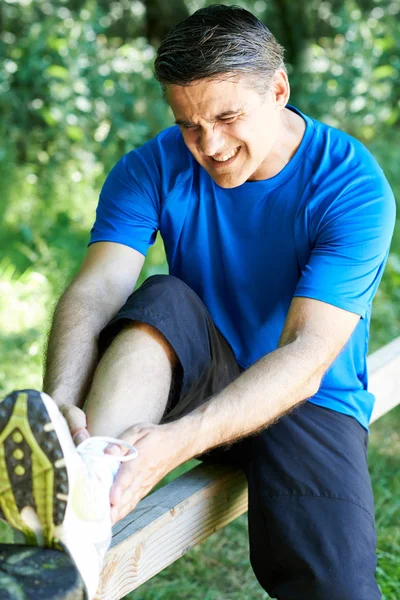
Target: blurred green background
{"type": "Point", "coordinates": [77, 92]}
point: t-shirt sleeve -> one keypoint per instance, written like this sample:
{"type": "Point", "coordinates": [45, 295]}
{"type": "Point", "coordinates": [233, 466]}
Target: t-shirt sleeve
{"type": "Point", "coordinates": [352, 239]}
{"type": "Point", "coordinates": [128, 208]}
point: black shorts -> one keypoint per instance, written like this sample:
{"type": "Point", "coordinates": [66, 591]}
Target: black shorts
{"type": "Point", "coordinates": [311, 509]}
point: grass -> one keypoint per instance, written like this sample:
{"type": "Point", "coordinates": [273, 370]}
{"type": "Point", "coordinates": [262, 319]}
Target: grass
{"type": "Point", "coordinates": [384, 460]}
{"type": "Point", "coordinates": [218, 569]}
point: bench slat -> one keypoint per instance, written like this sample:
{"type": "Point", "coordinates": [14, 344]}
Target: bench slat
{"type": "Point", "coordinates": [384, 378]}
{"type": "Point", "coordinates": [167, 523]}
{"type": "Point", "coordinates": [170, 521]}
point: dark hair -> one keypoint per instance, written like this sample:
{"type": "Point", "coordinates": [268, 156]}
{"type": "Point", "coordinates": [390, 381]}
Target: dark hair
{"type": "Point", "coordinates": [219, 40]}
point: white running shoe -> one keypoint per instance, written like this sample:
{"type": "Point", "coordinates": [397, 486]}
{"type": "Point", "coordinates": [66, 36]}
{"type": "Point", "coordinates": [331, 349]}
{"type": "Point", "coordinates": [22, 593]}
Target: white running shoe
{"type": "Point", "coordinates": [57, 495]}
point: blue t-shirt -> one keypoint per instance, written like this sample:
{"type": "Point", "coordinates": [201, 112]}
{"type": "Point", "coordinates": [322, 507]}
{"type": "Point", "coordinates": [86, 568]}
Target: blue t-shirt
{"type": "Point", "coordinates": [321, 228]}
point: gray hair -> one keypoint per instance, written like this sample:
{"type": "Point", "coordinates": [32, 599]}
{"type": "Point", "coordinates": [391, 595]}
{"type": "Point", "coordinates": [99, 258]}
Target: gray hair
{"type": "Point", "coordinates": [219, 41]}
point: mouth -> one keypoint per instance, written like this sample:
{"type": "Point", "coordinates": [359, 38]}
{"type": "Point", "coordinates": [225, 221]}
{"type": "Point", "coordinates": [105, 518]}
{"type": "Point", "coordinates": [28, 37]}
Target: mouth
{"type": "Point", "coordinates": [225, 159]}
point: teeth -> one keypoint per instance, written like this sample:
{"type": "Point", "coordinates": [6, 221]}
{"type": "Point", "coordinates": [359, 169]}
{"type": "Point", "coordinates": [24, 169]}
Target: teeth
{"type": "Point", "coordinates": [227, 156]}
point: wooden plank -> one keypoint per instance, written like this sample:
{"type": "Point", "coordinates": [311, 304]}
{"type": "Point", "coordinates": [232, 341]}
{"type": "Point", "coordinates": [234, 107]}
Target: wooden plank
{"type": "Point", "coordinates": [384, 378]}
{"type": "Point", "coordinates": [167, 523]}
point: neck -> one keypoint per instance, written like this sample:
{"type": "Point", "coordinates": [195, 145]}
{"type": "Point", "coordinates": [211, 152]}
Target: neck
{"type": "Point", "coordinates": [295, 128]}
{"type": "Point", "coordinates": [289, 137]}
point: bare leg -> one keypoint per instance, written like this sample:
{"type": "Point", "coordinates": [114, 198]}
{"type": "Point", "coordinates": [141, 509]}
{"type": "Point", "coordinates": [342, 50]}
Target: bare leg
{"type": "Point", "coordinates": [132, 381]}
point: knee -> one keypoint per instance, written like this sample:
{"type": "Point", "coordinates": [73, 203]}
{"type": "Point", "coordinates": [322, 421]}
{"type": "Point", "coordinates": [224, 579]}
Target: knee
{"type": "Point", "coordinates": [150, 333]}
{"type": "Point", "coordinates": [167, 284]}
{"type": "Point", "coordinates": [166, 292]}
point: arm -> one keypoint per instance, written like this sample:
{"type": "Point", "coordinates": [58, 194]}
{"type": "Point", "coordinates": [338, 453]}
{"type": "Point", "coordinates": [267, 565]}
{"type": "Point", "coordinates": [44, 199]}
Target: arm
{"type": "Point", "coordinates": [314, 334]}
{"type": "Point", "coordinates": [105, 280]}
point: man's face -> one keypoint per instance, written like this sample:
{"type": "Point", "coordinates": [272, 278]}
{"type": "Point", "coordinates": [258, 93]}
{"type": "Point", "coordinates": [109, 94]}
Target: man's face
{"type": "Point", "coordinates": [230, 128]}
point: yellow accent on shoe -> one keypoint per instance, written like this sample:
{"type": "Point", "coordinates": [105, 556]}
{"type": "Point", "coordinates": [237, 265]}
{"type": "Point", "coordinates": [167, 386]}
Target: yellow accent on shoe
{"type": "Point", "coordinates": [18, 454]}
{"type": "Point", "coordinates": [42, 476]}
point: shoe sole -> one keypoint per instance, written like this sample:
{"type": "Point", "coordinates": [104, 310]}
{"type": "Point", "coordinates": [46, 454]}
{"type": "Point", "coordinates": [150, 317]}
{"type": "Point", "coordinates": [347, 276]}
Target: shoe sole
{"type": "Point", "coordinates": [30, 573]}
{"type": "Point", "coordinates": [33, 471]}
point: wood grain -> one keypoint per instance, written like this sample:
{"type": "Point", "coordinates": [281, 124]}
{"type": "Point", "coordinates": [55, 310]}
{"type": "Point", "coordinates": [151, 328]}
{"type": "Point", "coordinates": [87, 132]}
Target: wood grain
{"type": "Point", "coordinates": [167, 523]}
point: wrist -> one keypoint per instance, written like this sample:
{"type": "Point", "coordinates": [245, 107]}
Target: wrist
{"type": "Point", "coordinates": [183, 435]}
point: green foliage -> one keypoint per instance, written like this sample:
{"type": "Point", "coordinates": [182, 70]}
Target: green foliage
{"type": "Point", "coordinates": [74, 101]}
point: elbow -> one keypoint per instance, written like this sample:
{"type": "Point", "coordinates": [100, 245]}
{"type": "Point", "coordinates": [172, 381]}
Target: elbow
{"type": "Point", "coordinates": [316, 384]}
{"type": "Point", "coordinates": [312, 385]}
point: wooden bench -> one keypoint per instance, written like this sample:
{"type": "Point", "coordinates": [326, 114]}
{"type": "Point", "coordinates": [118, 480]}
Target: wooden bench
{"type": "Point", "coordinates": [183, 513]}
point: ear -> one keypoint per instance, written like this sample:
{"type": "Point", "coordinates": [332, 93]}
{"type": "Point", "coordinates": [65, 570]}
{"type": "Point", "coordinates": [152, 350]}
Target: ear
{"type": "Point", "coordinates": [280, 89]}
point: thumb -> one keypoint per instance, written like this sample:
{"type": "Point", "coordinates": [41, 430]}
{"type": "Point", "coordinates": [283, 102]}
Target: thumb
{"type": "Point", "coordinates": [131, 436]}
{"type": "Point", "coordinates": [80, 435]}
{"type": "Point", "coordinates": [76, 420]}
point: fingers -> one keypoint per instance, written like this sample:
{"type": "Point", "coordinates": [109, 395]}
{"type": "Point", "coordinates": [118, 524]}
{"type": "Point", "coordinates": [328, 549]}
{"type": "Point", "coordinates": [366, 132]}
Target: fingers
{"type": "Point", "coordinates": [130, 436]}
{"type": "Point", "coordinates": [79, 436]}
{"type": "Point", "coordinates": [120, 511]}
{"type": "Point", "coordinates": [74, 416]}
{"type": "Point", "coordinates": [137, 432]}
{"type": "Point", "coordinates": [131, 471]}
{"type": "Point", "coordinates": [124, 496]}
{"type": "Point", "coordinates": [114, 515]}
{"type": "Point", "coordinates": [128, 500]}
{"type": "Point", "coordinates": [127, 473]}
{"type": "Point", "coordinates": [114, 449]}
{"type": "Point", "coordinates": [136, 478]}
{"type": "Point", "coordinates": [76, 420]}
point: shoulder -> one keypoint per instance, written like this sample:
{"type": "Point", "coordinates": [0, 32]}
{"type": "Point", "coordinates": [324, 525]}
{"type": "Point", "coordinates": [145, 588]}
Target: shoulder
{"type": "Point", "coordinates": [163, 161]}
{"type": "Point", "coordinates": [345, 175]}
{"type": "Point", "coordinates": [341, 156]}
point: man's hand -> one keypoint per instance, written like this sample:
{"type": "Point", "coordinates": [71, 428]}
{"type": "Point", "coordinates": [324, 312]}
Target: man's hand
{"type": "Point", "coordinates": [159, 453]}
{"type": "Point", "coordinates": [76, 420]}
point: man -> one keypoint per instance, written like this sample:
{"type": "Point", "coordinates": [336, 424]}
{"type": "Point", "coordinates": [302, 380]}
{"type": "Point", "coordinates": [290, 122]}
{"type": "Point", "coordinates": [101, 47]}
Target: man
{"type": "Point", "coordinates": [276, 229]}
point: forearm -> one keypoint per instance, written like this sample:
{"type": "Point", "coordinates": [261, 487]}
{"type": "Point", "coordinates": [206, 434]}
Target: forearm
{"type": "Point", "coordinates": [255, 400]}
{"type": "Point", "coordinates": [72, 351]}
{"type": "Point", "coordinates": [313, 336]}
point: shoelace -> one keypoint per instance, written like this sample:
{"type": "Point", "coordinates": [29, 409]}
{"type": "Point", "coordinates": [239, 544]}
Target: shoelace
{"type": "Point", "coordinates": [91, 446]}
{"type": "Point", "coordinates": [92, 449]}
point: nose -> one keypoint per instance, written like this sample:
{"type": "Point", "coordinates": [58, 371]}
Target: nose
{"type": "Point", "coordinates": [211, 141]}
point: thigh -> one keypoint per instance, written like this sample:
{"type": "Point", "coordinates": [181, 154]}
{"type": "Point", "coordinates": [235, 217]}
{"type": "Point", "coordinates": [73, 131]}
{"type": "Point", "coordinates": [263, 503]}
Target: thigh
{"type": "Point", "coordinates": [311, 509]}
{"type": "Point", "coordinates": [206, 361]}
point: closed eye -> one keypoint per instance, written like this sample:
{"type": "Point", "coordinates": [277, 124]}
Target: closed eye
{"type": "Point", "coordinates": [187, 126]}
{"type": "Point", "coordinates": [228, 119]}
